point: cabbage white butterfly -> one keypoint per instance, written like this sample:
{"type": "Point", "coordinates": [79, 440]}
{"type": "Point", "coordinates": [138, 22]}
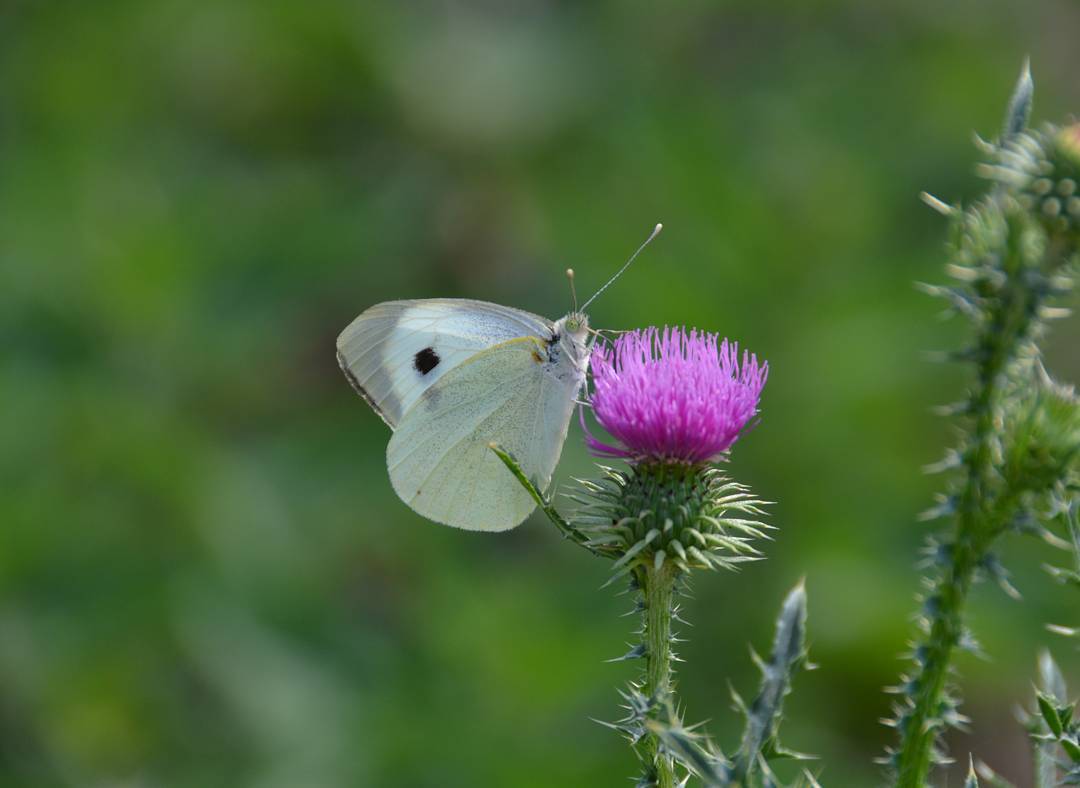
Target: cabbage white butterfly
{"type": "Point", "coordinates": [450, 377]}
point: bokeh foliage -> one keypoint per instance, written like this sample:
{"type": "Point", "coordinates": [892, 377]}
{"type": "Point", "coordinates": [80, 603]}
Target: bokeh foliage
{"type": "Point", "coordinates": [205, 578]}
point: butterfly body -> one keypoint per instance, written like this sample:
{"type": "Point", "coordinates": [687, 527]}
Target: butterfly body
{"type": "Point", "coordinates": [453, 376]}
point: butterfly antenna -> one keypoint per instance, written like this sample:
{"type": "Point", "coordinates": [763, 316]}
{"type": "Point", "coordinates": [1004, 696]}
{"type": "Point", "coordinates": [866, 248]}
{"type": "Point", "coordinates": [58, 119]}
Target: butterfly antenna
{"type": "Point", "coordinates": [573, 292]}
{"type": "Point", "coordinates": [655, 232]}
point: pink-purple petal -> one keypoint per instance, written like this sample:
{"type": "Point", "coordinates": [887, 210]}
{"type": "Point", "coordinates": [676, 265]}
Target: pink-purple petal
{"type": "Point", "coordinates": [673, 395]}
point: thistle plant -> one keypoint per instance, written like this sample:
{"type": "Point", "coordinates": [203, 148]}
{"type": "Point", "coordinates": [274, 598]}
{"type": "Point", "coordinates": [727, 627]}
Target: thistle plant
{"type": "Point", "coordinates": [1012, 256]}
{"type": "Point", "coordinates": [675, 402]}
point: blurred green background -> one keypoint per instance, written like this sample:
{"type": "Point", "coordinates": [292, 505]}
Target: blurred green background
{"type": "Point", "coordinates": [205, 577]}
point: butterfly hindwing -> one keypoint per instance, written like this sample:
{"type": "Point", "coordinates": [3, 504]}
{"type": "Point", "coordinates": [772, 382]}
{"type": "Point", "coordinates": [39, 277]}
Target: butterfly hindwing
{"type": "Point", "coordinates": [395, 351]}
{"type": "Point", "coordinates": [439, 457]}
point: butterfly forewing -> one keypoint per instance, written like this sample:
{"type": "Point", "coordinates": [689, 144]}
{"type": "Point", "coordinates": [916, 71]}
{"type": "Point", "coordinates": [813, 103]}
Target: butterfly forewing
{"type": "Point", "coordinates": [397, 350]}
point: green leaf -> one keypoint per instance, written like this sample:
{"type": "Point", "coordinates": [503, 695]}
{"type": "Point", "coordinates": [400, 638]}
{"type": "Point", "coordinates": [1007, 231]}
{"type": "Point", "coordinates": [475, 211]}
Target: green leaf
{"type": "Point", "coordinates": [683, 746]}
{"type": "Point", "coordinates": [1049, 714]}
{"type": "Point", "coordinates": [763, 715]}
{"type": "Point", "coordinates": [1072, 748]}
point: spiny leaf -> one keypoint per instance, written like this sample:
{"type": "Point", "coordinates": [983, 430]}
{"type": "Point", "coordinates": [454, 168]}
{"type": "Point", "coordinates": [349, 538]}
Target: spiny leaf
{"type": "Point", "coordinates": [1049, 714]}
{"type": "Point", "coordinates": [762, 717]}
{"type": "Point", "coordinates": [684, 746]}
{"type": "Point", "coordinates": [1016, 116]}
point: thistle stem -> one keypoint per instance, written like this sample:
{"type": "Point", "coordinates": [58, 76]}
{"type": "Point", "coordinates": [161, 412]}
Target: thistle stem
{"type": "Point", "coordinates": [921, 729]}
{"type": "Point", "coordinates": [980, 519]}
{"type": "Point", "coordinates": [658, 588]}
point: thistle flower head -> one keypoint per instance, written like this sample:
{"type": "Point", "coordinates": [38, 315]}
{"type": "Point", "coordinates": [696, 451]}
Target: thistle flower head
{"type": "Point", "coordinates": [673, 396]}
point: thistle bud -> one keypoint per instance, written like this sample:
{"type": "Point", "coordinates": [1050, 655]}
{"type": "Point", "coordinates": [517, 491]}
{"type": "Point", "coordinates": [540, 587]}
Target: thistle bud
{"type": "Point", "coordinates": [1044, 441]}
{"type": "Point", "coordinates": [1042, 168]}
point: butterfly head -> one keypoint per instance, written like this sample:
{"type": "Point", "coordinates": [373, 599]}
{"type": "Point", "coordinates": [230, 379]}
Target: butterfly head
{"type": "Point", "coordinates": [571, 333]}
{"type": "Point", "coordinates": [576, 324]}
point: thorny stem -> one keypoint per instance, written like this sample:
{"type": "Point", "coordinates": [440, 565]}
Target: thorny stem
{"type": "Point", "coordinates": [980, 519]}
{"type": "Point", "coordinates": [658, 589]}
{"type": "Point", "coordinates": [921, 729]}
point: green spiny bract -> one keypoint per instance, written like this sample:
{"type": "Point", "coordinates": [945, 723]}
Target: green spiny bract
{"type": "Point", "coordinates": [690, 515]}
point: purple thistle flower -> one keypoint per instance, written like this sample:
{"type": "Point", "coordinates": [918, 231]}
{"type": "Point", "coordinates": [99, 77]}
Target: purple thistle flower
{"type": "Point", "coordinates": [672, 396]}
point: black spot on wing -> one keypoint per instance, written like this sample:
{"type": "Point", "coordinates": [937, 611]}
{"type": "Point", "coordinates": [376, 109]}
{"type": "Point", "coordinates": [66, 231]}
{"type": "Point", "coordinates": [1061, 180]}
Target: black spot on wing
{"type": "Point", "coordinates": [426, 360]}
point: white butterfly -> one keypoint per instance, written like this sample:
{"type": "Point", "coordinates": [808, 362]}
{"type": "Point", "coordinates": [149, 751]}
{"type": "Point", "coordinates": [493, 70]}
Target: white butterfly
{"type": "Point", "coordinates": [451, 377]}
